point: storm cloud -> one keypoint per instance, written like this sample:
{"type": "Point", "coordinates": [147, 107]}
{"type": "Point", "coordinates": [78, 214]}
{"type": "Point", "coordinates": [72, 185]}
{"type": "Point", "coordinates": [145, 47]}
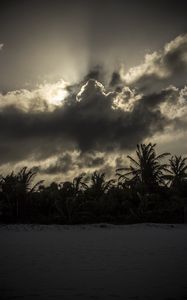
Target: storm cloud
{"type": "Point", "coordinates": [61, 127]}
{"type": "Point", "coordinates": [88, 122]}
{"type": "Point", "coordinates": [161, 68]}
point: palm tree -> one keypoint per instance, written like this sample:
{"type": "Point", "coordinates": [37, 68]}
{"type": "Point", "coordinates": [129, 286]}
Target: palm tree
{"type": "Point", "coordinates": [177, 171]}
{"type": "Point", "coordinates": [45, 201]}
{"type": "Point", "coordinates": [96, 195]}
{"type": "Point", "coordinates": [70, 192]}
{"type": "Point", "coordinates": [146, 171]}
{"type": "Point", "coordinates": [8, 185]}
{"type": "Point", "coordinates": [18, 187]}
{"type": "Point", "coordinates": [99, 185]}
{"type": "Point", "coordinates": [79, 183]}
{"type": "Point", "coordinates": [25, 177]}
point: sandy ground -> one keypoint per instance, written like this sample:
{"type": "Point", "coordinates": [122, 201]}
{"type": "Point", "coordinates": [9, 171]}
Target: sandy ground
{"type": "Point", "coordinates": [144, 261]}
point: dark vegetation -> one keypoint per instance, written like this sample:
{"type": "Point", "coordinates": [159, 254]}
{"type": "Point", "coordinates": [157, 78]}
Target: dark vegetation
{"type": "Point", "coordinates": [149, 190]}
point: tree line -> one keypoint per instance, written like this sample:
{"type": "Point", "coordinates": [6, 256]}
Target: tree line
{"type": "Point", "coordinates": [150, 189]}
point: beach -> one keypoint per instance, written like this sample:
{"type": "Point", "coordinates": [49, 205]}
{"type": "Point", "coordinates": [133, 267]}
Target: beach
{"type": "Point", "coordinates": [99, 261]}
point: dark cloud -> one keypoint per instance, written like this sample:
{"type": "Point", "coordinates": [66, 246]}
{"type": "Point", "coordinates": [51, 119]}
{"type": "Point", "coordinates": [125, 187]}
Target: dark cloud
{"type": "Point", "coordinates": [160, 69]}
{"type": "Point", "coordinates": [175, 58]}
{"type": "Point", "coordinates": [116, 79]}
{"type": "Point", "coordinates": [90, 160]}
{"type": "Point", "coordinates": [89, 124]}
{"type": "Point", "coordinates": [169, 95]}
{"type": "Point", "coordinates": [96, 73]}
{"type": "Point", "coordinates": [63, 164]}
{"type": "Point", "coordinates": [70, 161]}
{"type": "Point", "coordinates": [119, 162]}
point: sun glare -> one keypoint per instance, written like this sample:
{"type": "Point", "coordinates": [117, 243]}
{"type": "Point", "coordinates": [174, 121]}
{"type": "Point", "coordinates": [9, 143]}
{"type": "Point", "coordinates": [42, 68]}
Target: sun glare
{"type": "Point", "coordinates": [54, 93]}
{"type": "Point", "coordinates": [58, 96]}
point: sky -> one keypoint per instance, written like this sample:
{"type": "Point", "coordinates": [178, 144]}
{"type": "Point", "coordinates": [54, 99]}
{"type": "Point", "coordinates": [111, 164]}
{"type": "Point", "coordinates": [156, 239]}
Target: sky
{"type": "Point", "coordinates": [82, 82]}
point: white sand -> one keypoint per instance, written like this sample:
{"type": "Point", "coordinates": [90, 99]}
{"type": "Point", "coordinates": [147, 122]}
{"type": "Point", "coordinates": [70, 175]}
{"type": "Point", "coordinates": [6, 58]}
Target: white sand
{"type": "Point", "coordinates": [144, 261]}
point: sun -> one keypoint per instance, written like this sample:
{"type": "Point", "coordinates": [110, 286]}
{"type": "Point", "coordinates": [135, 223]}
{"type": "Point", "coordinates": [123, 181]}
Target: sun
{"type": "Point", "coordinates": [58, 96]}
{"type": "Point", "coordinates": [53, 93]}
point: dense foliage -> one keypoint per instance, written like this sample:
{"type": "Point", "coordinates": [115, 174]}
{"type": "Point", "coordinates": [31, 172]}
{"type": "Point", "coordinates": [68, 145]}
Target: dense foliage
{"type": "Point", "coordinates": [146, 191]}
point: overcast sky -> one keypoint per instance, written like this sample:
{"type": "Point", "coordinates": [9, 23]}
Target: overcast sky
{"type": "Point", "coordinates": [82, 82]}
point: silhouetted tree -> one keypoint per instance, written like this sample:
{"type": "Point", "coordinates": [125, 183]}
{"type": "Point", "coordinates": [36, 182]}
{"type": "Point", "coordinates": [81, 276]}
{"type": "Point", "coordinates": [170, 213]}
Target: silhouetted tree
{"type": "Point", "coordinates": [96, 194]}
{"type": "Point", "coordinates": [177, 171]}
{"type": "Point", "coordinates": [147, 171]}
{"type": "Point", "coordinates": [147, 190]}
{"type": "Point", "coordinates": [44, 201]}
{"type": "Point", "coordinates": [9, 198]}
{"type": "Point", "coordinates": [99, 185]}
{"type": "Point", "coordinates": [16, 189]}
{"type": "Point", "coordinates": [70, 194]}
